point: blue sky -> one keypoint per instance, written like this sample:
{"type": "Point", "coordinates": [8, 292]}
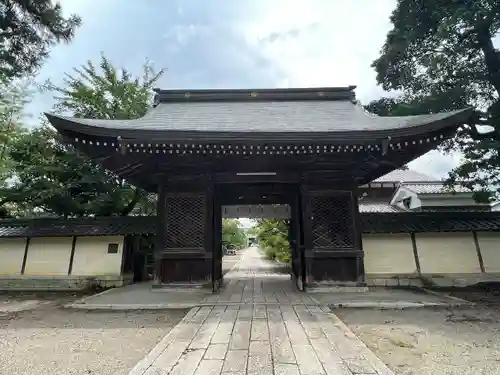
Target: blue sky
{"type": "Point", "coordinates": [235, 44]}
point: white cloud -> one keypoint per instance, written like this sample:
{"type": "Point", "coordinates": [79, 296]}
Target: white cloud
{"type": "Point", "coordinates": [435, 163]}
{"type": "Point", "coordinates": [322, 43]}
{"type": "Point", "coordinates": [329, 43]}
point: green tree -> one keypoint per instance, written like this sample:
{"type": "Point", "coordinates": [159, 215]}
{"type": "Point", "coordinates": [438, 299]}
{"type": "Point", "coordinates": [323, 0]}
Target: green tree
{"type": "Point", "coordinates": [28, 28]}
{"type": "Point", "coordinates": [442, 56]}
{"type": "Point", "coordinates": [273, 238]}
{"type": "Point", "coordinates": [233, 233]}
{"type": "Point", "coordinates": [52, 176]}
{"type": "Point", "coordinates": [13, 98]}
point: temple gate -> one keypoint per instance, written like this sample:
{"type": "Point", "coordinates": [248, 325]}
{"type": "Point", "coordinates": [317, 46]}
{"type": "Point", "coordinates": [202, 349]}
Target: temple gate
{"type": "Point", "coordinates": [307, 148]}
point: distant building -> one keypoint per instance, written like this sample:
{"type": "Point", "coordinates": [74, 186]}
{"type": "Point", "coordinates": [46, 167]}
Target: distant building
{"type": "Point", "coordinates": [418, 230]}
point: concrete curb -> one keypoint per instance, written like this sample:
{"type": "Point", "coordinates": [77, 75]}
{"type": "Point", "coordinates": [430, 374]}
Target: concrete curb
{"type": "Point", "coordinates": [130, 307]}
{"type": "Point", "coordinates": [394, 305]}
{"type": "Point", "coordinates": [84, 299]}
{"type": "Point", "coordinates": [174, 306]}
{"type": "Point", "coordinates": [189, 305]}
{"type": "Point", "coordinates": [443, 295]}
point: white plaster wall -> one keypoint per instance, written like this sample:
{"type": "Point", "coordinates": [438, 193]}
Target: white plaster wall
{"type": "Point", "coordinates": [92, 258]}
{"type": "Point", "coordinates": [388, 254]}
{"type": "Point", "coordinates": [489, 243]}
{"type": "Point", "coordinates": [447, 253]}
{"type": "Point", "coordinates": [48, 256]}
{"type": "Point", "coordinates": [11, 255]}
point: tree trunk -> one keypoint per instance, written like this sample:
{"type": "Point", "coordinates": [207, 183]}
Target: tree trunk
{"type": "Point", "coordinates": [491, 57]}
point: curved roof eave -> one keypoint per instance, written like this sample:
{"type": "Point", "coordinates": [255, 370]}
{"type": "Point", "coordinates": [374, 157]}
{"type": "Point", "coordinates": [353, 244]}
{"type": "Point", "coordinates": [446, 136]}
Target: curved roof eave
{"type": "Point", "coordinates": [122, 128]}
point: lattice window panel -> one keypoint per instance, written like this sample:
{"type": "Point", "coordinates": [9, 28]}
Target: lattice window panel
{"type": "Point", "coordinates": [185, 222]}
{"type": "Point", "coordinates": [332, 221]}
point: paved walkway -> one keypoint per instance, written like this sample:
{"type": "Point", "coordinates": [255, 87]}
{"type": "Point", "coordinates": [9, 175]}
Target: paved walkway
{"type": "Point", "coordinates": [276, 330]}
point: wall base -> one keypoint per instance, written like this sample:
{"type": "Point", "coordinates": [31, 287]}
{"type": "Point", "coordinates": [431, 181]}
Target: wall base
{"type": "Point", "coordinates": [336, 287]}
{"type": "Point", "coordinates": [180, 286]}
{"type": "Point", "coordinates": [436, 280]}
{"type": "Point", "coordinates": [62, 283]}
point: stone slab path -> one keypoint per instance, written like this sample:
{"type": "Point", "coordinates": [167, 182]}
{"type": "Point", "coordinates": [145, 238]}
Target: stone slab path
{"type": "Point", "coordinates": [272, 330]}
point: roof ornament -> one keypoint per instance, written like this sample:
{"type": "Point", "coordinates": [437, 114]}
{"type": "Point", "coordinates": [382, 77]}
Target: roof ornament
{"type": "Point", "coordinates": [156, 100]}
{"type": "Point", "coordinates": [385, 145]}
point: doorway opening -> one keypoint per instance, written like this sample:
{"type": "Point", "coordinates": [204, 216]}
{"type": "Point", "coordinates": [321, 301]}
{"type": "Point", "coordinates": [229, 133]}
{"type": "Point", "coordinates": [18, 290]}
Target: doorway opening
{"type": "Point", "coordinates": [268, 217]}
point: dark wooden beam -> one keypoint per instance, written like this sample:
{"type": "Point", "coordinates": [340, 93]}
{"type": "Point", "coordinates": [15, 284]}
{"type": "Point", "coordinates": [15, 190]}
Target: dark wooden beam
{"type": "Point", "coordinates": [415, 251]}
{"type": "Point", "coordinates": [25, 256]}
{"type": "Point", "coordinates": [72, 255]}
{"type": "Point", "coordinates": [478, 251]}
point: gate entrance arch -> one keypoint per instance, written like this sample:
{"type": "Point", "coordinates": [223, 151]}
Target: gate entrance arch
{"type": "Point", "coordinates": [309, 147]}
{"type": "Point", "coordinates": [250, 195]}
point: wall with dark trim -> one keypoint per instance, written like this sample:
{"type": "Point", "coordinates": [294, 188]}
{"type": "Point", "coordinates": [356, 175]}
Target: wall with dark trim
{"type": "Point", "coordinates": [61, 263]}
{"type": "Point", "coordinates": [442, 259]}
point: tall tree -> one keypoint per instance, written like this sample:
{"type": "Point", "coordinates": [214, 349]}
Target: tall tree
{"type": "Point", "coordinates": [13, 98]}
{"type": "Point", "coordinates": [442, 56]}
{"type": "Point", "coordinates": [54, 177]}
{"type": "Point", "coordinates": [28, 28]}
{"type": "Point", "coordinates": [233, 233]}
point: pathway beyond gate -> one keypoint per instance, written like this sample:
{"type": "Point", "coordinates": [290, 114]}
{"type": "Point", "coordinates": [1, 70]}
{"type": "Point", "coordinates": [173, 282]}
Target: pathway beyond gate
{"type": "Point", "coordinates": [266, 327]}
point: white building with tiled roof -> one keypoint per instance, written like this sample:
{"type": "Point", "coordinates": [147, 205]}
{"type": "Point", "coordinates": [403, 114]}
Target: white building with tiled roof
{"type": "Point", "coordinates": [407, 190]}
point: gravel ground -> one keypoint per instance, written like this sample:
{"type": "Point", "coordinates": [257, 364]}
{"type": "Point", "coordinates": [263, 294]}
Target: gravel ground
{"type": "Point", "coordinates": [431, 341]}
{"type": "Point", "coordinates": [46, 339]}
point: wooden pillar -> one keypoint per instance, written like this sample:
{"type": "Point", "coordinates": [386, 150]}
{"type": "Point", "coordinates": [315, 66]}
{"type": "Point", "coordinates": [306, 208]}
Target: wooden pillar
{"type": "Point", "coordinates": [299, 260]}
{"type": "Point", "coordinates": [217, 276]}
{"type": "Point", "coordinates": [332, 236]}
{"type": "Point", "coordinates": [358, 233]}
{"type": "Point", "coordinates": [159, 241]}
{"type": "Point", "coordinates": [184, 240]}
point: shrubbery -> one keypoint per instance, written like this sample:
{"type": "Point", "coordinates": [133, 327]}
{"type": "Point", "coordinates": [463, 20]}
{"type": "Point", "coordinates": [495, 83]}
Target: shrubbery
{"type": "Point", "coordinates": [273, 239]}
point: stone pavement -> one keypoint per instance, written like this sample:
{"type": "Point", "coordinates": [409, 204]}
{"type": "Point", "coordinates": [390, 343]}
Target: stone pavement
{"type": "Point", "coordinates": [271, 329]}
{"type": "Point", "coordinates": [254, 280]}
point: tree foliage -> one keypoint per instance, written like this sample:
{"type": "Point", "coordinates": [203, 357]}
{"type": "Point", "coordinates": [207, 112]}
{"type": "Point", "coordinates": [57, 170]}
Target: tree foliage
{"type": "Point", "coordinates": [442, 56]}
{"type": "Point", "coordinates": [233, 233]}
{"type": "Point", "coordinates": [13, 98]}
{"type": "Point", "coordinates": [28, 28]}
{"type": "Point", "coordinates": [52, 176]}
{"type": "Point", "coordinates": [273, 238]}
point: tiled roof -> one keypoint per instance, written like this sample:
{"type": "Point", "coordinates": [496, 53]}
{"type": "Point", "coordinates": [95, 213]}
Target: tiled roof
{"type": "Point", "coordinates": [106, 226]}
{"type": "Point", "coordinates": [306, 112]}
{"type": "Point", "coordinates": [377, 206]}
{"type": "Point", "coordinates": [400, 175]}
{"type": "Point", "coordinates": [474, 208]}
{"type": "Point", "coordinates": [434, 188]}
{"type": "Point", "coordinates": [405, 222]}
{"type": "Point", "coordinates": [372, 222]}
{"type": "Point", "coordinates": [259, 116]}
